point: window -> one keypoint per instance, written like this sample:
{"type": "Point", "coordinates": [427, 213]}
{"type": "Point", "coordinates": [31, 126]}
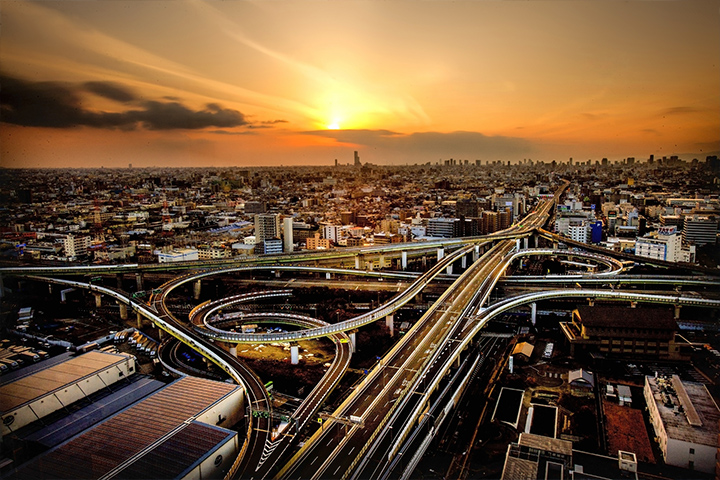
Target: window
{"type": "Point", "coordinates": [692, 451]}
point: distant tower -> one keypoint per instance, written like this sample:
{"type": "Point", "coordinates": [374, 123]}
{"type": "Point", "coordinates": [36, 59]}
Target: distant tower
{"type": "Point", "coordinates": [357, 159]}
{"type": "Point", "coordinates": [336, 162]}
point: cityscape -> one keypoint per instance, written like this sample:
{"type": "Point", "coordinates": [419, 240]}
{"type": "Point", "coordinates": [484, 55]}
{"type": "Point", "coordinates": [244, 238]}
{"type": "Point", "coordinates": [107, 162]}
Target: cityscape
{"type": "Point", "coordinates": [359, 240]}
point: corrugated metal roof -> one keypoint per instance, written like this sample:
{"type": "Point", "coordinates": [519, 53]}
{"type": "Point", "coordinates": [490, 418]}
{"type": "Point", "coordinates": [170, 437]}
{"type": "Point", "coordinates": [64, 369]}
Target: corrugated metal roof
{"type": "Point", "coordinates": [176, 455]}
{"type": "Point", "coordinates": [56, 377]}
{"type": "Point", "coordinates": [98, 451]}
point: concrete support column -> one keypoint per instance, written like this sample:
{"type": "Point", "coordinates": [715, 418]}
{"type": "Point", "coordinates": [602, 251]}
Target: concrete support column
{"type": "Point", "coordinates": [197, 289]}
{"type": "Point", "coordinates": [536, 240]}
{"type": "Point", "coordinates": [555, 245]}
{"type": "Point", "coordinates": [2, 287]}
{"type": "Point", "coordinates": [49, 289]}
{"type": "Point", "coordinates": [358, 262]}
{"type": "Point", "coordinates": [463, 262]}
{"type": "Point", "coordinates": [440, 253]}
{"type": "Point", "coordinates": [390, 323]}
{"type": "Point", "coordinates": [233, 349]}
{"type": "Point", "coordinates": [123, 311]}
{"type": "Point", "coordinates": [517, 244]}
{"type": "Point", "coordinates": [161, 334]}
{"type": "Point", "coordinates": [633, 304]}
{"type": "Point", "coordinates": [677, 312]}
{"type": "Point", "coordinates": [424, 262]}
{"type": "Point", "coordinates": [353, 342]}
{"type": "Point", "coordinates": [476, 253]}
{"type": "Point", "coordinates": [533, 312]}
{"type": "Point", "coordinates": [294, 354]}
{"type": "Point", "coordinates": [526, 242]}
{"type": "Point", "coordinates": [139, 281]}
{"type": "Point", "coordinates": [277, 273]}
{"type": "Point", "coordinates": [119, 280]}
{"type": "Point", "coordinates": [98, 300]}
{"type": "Point", "coordinates": [591, 302]}
{"type": "Point", "coordinates": [403, 261]}
{"type": "Point", "coordinates": [449, 269]}
{"type": "Point", "coordinates": [139, 320]}
{"type": "Point", "coordinates": [328, 275]}
{"type": "Point", "coordinates": [381, 262]}
{"type": "Point", "coordinates": [63, 294]}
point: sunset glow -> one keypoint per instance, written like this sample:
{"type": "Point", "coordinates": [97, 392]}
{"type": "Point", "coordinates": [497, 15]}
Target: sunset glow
{"type": "Point", "coordinates": [257, 83]}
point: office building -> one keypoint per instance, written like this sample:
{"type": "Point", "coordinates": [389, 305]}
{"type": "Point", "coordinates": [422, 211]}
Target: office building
{"type": "Point", "coordinates": [272, 246]}
{"type": "Point", "coordinates": [578, 233]}
{"type": "Point", "coordinates": [179, 255]}
{"type": "Point", "coordinates": [466, 207]}
{"type": "Point", "coordinates": [443, 227]}
{"type": "Point", "coordinates": [685, 419]}
{"type": "Point", "coordinates": [317, 243]}
{"type": "Point", "coordinates": [76, 247]}
{"type": "Point", "coordinates": [700, 230]}
{"type": "Point", "coordinates": [331, 232]}
{"type": "Point", "coordinates": [665, 244]}
{"type": "Point", "coordinates": [255, 207]}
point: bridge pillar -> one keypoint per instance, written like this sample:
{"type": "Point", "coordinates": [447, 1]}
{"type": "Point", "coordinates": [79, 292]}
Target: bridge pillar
{"type": "Point", "coordinates": [533, 312]}
{"type": "Point", "coordinates": [123, 311]}
{"type": "Point", "coordinates": [526, 242]}
{"type": "Point", "coordinates": [591, 302]}
{"type": "Point", "coordinates": [403, 260]}
{"type": "Point", "coordinates": [536, 240]}
{"type": "Point", "coordinates": [233, 349]}
{"type": "Point", "coordinates": [555, 245]}
{"type": "Point", "coordinates": [295, 354]}
{"type": "Point", "coordinates": [419, 298]}
{"type": "Point", "coordinates": [2, 287]}
{"type": "Point", "coordinates": [476, 253]}
{"type": "Point", "coordinates": [328, 275]}
{"type": "Point", "coordinates": [358, 262]}
{"type": "Point", "coordinates": [381, 262]}
{"type": "Point", "coordinates": [49, 289]}
{"type": "Point", "coordinates": [463, 262]}
{"type": "Point", "coordinates": [353, 342]}
{"type": "Point", "coordinates": [517, 244]}
{"type": "Point", "coordinates": [98, 300]}
{"type": "Point", "coordinates": [633, 304]}
{"type": "Point", "coordinates": [440, 253]}
{"type": "Point", "coordinates": [139, 319]}
{"type": "Point", "coordinates": [677, 312]}
{"type": "Point", "coordinates": [424, 262]}
{"type": "Point", "coordinates": [390, 323]}
{"type": "Point", "coordinates": [449, 269]}
{"type": "Point", "coordinates": [139, 281]}
{"type": "Point", "coordinates": [277, 273]}
{"type": "Point", "coordinates": [63, 294]}
{"type": "Point", "coordinates": [197, 288]}
{"type": "Point", "coordinates": [161, 334]}
{"type": "Point", "coordinates": [119, 280]}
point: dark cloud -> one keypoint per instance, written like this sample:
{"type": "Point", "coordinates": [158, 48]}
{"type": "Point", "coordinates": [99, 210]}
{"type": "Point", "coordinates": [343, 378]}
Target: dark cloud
{"type": "Point", "coordinates": [432, 145]}
{"type": "Point", "coordinates": [273, 122]}
{"type": "Point", "coordinates": [110, 90]}
{"type": "Point", "coordinates": [59, 105]}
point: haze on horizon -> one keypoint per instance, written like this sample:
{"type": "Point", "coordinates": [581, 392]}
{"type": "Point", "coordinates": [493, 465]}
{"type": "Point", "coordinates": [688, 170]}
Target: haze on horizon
{"type": "Point", "coordinates": [192, 83]}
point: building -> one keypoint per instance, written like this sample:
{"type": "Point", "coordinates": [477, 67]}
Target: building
{"type": "Point", "coordinates": [467, 207]}
{"type": "Point", "coordinates": [386, 238]}
{"type": "Point", "coordinates": [536, 456]}
{"type": "Point", "coordinates": [685, 419]}
{"type": "Point", "coordinates": [213, 253]}
{"type": "Point", "coordinates": [317, 243]}
{"type": "Point", "coordinates": [255, 207]}
{"type": "Point", "coordinates": [700, 230]}
{"type": "Point", "coordinates": [288, 242]}
{"type": "Point", "coordinates": [179, 255]}
{"type": "Point", "coordinates": [578, 233]}
{"type": "Point", "coordinates": [76, 247]}
{"type": "Point", "coordinates": [272, 246]}
{"type": "Point", "coordinates": [443, 227]}
{"type": "Point", "coordinates": [665, 244]}
{"type": "Point", "coordinates": [267, 226]}
{"type": "Point", "coordinates": [177, 432]}
{"type": "Point", "coordinates": [625, 332]}
{"type": "Point", "coordinates": [331, 232]}
{"type": "Point", "coordinates": [42, 393]}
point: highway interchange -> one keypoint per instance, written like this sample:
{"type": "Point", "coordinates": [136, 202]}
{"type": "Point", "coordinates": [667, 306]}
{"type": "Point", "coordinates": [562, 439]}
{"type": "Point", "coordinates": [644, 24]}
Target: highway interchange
{"type": "Point", "coordinates": [393, 406]}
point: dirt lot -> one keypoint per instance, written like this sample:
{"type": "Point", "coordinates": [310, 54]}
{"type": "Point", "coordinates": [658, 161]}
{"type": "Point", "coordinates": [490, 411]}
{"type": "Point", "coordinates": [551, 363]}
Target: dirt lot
{"type": "Point", "coordinates": [626, 431]}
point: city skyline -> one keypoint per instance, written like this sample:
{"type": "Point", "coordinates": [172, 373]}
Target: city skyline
{"type": "Point", "coordinates": [291, 83]}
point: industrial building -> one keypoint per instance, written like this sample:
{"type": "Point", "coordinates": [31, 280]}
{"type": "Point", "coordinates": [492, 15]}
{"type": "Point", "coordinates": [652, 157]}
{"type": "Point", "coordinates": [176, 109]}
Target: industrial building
{"type": "Point", "coordinates": [625, 332]}
{"type": "Point", "coordinates": [41, 393]}
{"type": "Point", "coordinates": [176, 432]}
{"type": "Point", "coordinates": [685, 419]}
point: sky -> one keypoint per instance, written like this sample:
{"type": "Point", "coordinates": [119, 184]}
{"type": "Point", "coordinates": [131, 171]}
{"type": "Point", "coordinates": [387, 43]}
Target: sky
{"type": "Point", "coordinates": [269, 83]}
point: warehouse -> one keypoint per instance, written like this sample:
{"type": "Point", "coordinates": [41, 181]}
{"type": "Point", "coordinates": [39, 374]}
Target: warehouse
{"type": "Point", "coordinates": [173, 433]}
{"type": "Point", "coordinates": [35, 396]}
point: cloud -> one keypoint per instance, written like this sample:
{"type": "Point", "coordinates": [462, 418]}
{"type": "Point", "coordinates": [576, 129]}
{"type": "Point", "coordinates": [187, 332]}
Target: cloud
{"type": "Point", "coordinates": [59, 105]}
{"type": "Point", "coordinates": [432, 145]}
{"type": "Point", "coordinates": [680, 110]}
{"type": "Point", "coordinates": [110, 90]}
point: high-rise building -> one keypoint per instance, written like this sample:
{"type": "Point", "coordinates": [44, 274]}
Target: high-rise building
{"type": "Point", "coordinates": [664, 245]}
{"type": "Point", "coordinates": [357, 159]}
{"type": "Point", "coordinates": [288, 244]}
{"type": "Point", "coordinates": [255, 207]}
{"type": "Point", "coordinates": [331, 232]}
{"type": "Point", "coordinates": [700, 230]}
{"type": "Point", "coordinates": [466, 207]}
{"type": "Point", "coordinates": [266, 226]}
{"type": "Point", "coordinates": [76, 246]}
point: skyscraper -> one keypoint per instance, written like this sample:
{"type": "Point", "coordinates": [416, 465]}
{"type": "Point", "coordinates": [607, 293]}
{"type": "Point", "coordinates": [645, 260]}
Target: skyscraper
{"type": "Point", "coordinates": [357, 159]}
{"type": "Point", "coordinates": [288, 244]}
{"type": "Point", "coordinates": [267, 226]}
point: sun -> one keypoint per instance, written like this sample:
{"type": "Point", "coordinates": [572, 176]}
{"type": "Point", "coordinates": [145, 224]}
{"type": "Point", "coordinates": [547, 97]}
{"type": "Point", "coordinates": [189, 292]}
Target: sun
{"type": "Point", "coordinates": [335, 125]}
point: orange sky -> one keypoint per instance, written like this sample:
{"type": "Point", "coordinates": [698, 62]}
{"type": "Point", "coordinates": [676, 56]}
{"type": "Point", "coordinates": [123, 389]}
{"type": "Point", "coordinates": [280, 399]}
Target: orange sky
{"type": "Point", "coordinates": [304, 82]}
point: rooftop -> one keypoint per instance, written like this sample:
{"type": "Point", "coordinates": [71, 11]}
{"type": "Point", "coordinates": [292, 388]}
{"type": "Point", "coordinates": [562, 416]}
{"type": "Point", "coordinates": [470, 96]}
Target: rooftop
{"type": "Point", "coordinates": [687, 410]}
{"type": "Point", "coordinates": [616, 317]}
